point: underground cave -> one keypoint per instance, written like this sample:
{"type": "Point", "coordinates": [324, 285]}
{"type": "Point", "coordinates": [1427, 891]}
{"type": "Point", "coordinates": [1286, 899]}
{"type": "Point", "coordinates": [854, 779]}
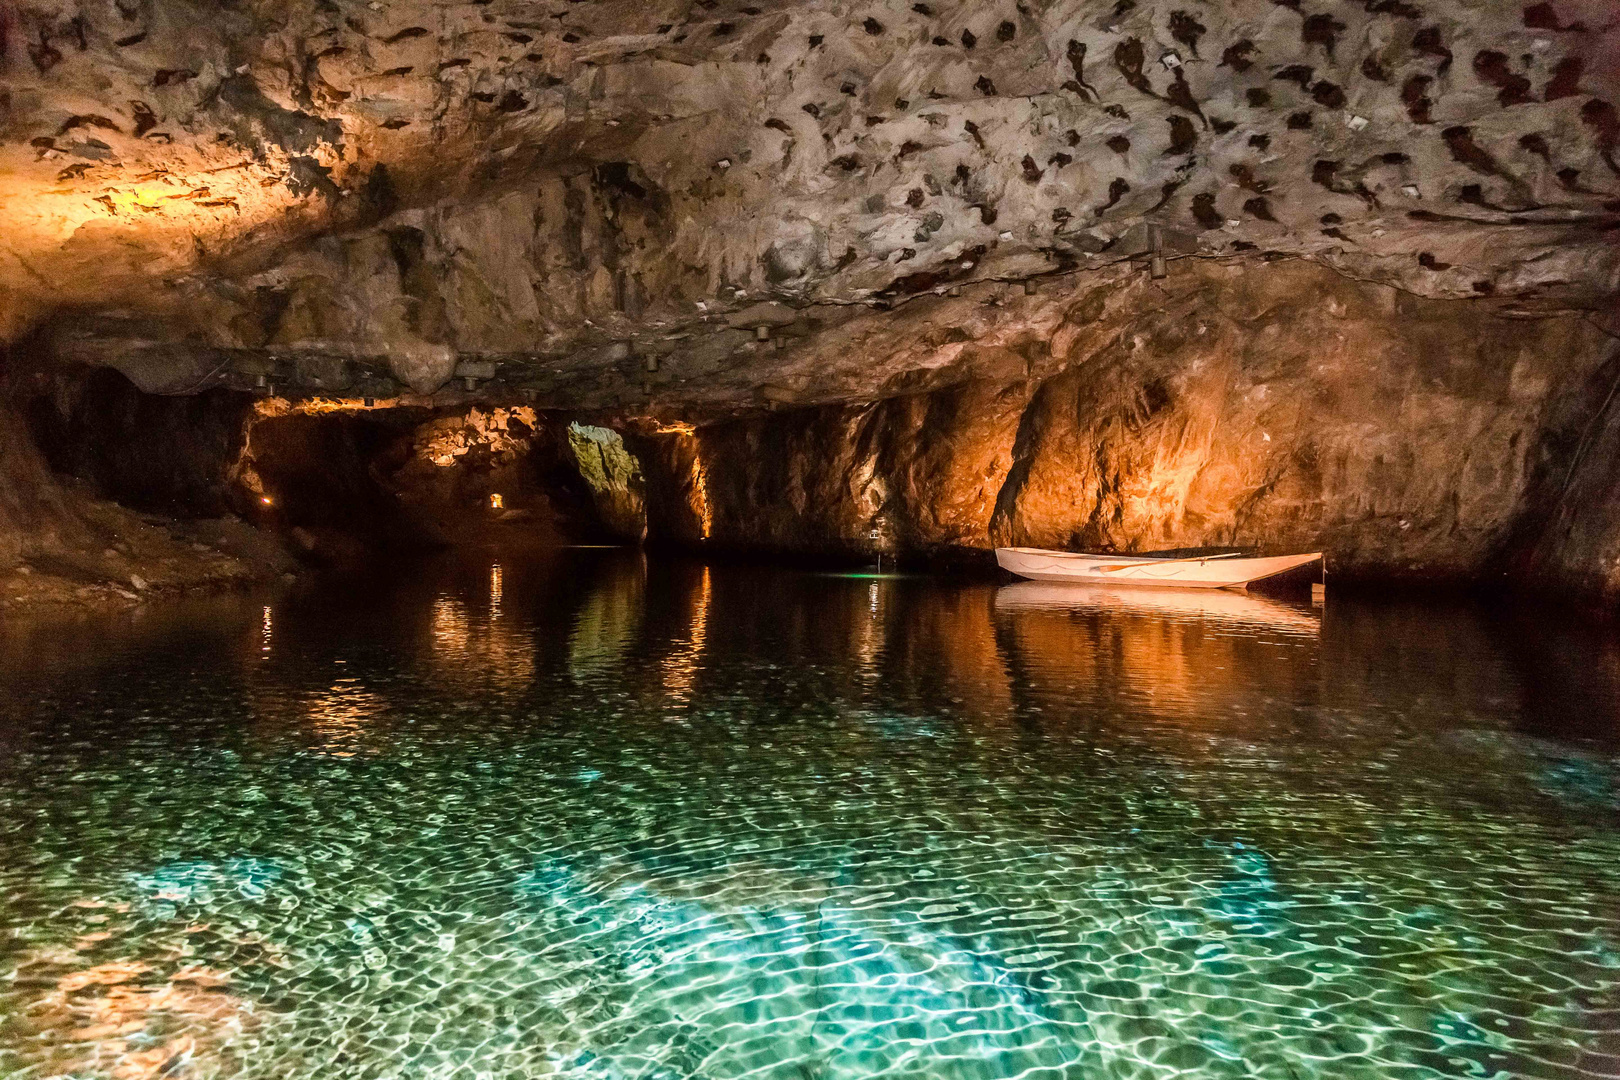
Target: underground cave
{"type": "Point", "coordinates": [502, 507]}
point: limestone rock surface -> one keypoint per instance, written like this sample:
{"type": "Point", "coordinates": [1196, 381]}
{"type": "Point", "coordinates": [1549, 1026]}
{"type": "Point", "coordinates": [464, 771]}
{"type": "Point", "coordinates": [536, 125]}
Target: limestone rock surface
{"type": "Point", "coordinates": [412, 183]}
{"type": "Point", "coordinates": [1282, 409]}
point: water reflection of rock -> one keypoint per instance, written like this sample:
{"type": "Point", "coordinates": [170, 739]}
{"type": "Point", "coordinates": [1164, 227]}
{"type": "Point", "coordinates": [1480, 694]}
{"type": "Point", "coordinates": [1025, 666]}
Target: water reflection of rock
{"type": "Point", "coordinates": [606, 624]}
{"type": "Point", "coordinates": [951, 632]}
{"type": "Point", "coordinates": [481, 644]}
{"type": "Point", "coordinates": [878, 639]}
{"type": "Point", "coordinates": [682, 663]}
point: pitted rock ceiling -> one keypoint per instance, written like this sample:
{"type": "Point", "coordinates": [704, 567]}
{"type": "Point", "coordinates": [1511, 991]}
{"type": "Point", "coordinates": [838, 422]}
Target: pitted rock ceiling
{"type": "Point", "coordinates": [554, 190]}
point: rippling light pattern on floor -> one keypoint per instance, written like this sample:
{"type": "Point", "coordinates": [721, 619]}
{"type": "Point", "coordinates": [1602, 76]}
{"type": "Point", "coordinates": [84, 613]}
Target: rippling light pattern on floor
{"type": "Point", "coordinates": [673, 827]}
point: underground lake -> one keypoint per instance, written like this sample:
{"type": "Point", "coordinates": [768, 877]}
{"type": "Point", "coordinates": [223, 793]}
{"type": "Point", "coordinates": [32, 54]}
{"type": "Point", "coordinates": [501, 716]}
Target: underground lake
{"type": "Point", "coordinates": [598, 813]}
{"type": "Point", "coordinates": [713, 539]}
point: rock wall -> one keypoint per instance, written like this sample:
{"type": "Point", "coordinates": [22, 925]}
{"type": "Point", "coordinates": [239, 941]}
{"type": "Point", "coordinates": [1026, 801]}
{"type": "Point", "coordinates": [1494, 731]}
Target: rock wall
{"type": "Point", "coordinates": [36, 513]}
{"type": "Point", "coordinates": [348, 481]}
{"type": "Point", "coordinates": [1578, 550]}
{"type": "Point", "coordinates": [613, 476]}
{"type": "Point", "coordinates": [167, 455]}
{"type": "Point", "coordinates": [1278, 407]}
{"type": "Point", "coordinates": [61, 543]}
{"type": "Point", "coordinates": [103, 485]}
{"type": "Point", "coordinates": [922, 470]}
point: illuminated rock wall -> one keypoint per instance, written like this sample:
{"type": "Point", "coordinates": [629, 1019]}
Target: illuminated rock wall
{"type": "Point", "coordinates": [613, 476]}
{"type": "Point", "coordinates": [1282, 408]}
{"type": "Point", "coordinates": [308, 183]}
{"type": "Point", "coordinates": [89, 465]}
{"type": "Point", "coordinates": [407, 477]}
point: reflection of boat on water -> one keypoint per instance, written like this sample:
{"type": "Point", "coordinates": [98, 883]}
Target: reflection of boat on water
{"type": "Point", "coordinates": [1205, 605]}
{"type": "Point", "coordinates": [1198, 572]}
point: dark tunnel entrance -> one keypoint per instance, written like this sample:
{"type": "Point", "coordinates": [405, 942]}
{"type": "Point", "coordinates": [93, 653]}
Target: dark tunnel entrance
{"type": "Point", "coordinates": [341, 480]}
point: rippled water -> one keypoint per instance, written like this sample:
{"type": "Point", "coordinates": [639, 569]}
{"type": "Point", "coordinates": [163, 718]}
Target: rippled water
{"type": "Point", "coordinates": [594, 817]}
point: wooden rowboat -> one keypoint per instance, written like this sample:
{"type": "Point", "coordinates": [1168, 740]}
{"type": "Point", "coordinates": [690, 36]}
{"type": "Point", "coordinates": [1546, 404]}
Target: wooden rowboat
{"type": "Point", "coordinates": [1199, 572]}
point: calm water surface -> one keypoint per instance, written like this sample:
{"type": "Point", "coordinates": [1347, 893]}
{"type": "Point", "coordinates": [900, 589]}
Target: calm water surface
{"type": "Point", "coordinates": [598, 817]}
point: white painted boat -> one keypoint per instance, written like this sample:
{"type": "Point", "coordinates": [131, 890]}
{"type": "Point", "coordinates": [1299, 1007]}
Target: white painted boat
{"type": "Point", "coordinates": [1198, 572]}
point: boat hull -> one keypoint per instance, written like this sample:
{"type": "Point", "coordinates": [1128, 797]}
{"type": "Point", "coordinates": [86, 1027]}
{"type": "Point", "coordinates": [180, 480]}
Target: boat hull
{"type": "Point", "coordinates": [1039, 564]}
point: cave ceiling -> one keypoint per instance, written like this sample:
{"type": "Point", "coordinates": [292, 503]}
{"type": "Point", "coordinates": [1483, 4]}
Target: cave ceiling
{"type": "Point", "coordinates": [600, 200]}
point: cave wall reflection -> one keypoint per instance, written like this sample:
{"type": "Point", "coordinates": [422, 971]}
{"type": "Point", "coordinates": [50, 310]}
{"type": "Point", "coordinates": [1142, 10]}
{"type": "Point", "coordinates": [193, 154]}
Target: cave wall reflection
{"type": "Point", "coordinates": [632, 636]}
{"type": "Point", "coordinates": [673, 634]}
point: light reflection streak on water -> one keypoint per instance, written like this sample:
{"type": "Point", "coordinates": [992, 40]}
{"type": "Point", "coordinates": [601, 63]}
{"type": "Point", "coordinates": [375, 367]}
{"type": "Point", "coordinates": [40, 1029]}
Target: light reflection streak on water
{"type": "Point", "coordinates": [491, 650]}
{"type": "Point", "coordinates": [341, 716]}
{"type": "Point", "coordinates": [869, 643]}
{"type": "Point", "coordinates": [451, 634]}
{"type": "Point", "coordinates": [682, 665]}
{"type": "Point", "coordinates": [267, 626]}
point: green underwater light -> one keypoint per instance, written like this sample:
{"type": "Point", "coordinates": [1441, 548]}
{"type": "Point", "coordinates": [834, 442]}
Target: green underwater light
{"type": "Point", "coordinates": [867, 575]}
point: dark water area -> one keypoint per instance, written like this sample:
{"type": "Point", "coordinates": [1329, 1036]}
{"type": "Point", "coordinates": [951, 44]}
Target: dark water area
{"type": "Point", "coordinates": [596, 816]}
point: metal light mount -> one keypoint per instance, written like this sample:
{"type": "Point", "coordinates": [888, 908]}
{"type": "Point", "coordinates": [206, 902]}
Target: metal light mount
{"type": "Point", "coordinates": [473, 372]}
{"type": "Point", "coordinates": [1155, 243]}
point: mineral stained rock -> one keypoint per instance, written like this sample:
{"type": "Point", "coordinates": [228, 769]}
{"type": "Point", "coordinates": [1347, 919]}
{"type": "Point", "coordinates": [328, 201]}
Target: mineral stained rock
{"type": "Point", "coordinates": [1282, 407]}
{"type": "Point", "coordinates": [398, 179]}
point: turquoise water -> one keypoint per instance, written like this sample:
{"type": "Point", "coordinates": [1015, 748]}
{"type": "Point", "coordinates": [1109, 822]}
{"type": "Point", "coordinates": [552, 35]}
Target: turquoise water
{"type": "Point", "coordinates": [596, 817]}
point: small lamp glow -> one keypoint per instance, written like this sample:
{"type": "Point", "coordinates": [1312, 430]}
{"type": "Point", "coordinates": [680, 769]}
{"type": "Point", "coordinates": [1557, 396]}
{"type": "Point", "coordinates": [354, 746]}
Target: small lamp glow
{"type": "Point", "coordinates": [496, 502]}
{"type": "Point", "coordinates": [266, 500]}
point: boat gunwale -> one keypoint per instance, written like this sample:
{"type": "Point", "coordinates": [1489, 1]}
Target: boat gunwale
{"type": "Point", "coordinates": [1124, 562]}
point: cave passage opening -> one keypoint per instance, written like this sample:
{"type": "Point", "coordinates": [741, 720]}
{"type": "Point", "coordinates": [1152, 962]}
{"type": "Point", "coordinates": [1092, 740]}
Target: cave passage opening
{"type": "Point", "coordinates": [338, 480]}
